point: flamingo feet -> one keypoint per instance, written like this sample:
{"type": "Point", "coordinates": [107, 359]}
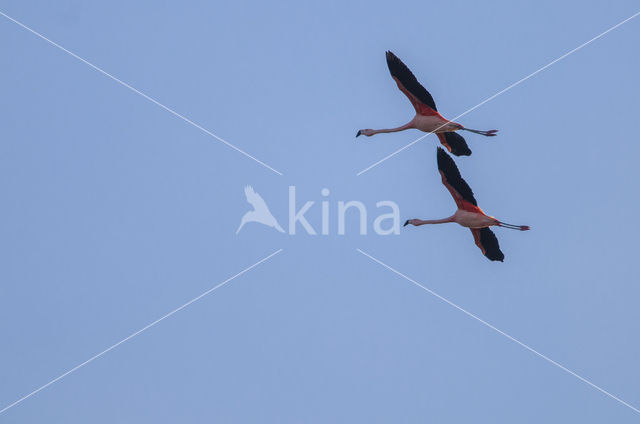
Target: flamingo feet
{"type": "Point", "coordinates": [490, 133]}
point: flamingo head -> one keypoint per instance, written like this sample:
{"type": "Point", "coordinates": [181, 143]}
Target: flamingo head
{"type": "Point", "coordinates": [366, 132]}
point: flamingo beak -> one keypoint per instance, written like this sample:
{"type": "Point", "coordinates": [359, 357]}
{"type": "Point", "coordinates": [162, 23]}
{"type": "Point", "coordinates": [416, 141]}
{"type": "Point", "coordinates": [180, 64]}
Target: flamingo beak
{"type": "Point", "coordinates": [406, 223]}
{"type": "Point", "coordinates": [359, 133]}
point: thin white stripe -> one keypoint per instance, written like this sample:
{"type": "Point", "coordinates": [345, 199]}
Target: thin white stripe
{"type": "Point", "coordinates": [151, 99]}
{"type": "Point", "coordinates": [132, 335]}
{"type": "Point", "coordinates": [488, 99]}
{"type": "Point", "coordinates": [513, 339]}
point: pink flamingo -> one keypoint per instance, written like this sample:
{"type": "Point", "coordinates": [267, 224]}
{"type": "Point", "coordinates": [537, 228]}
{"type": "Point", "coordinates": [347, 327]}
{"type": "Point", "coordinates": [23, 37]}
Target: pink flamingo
{"type": "Point", "coordinates": [427, 118]}
{"type": "Point", "coordinates": [468, 214]}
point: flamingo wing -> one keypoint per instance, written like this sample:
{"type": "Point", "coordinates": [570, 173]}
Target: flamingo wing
{"type": "Point", "coordinates": [487, 241]}
{"type": "Point", "coordinates": [255, 199]}
{"type": "Point", "coordinates": [453, 181]}
{"type": "Point", "coordinates": [454, 143]}
{"type": "Point", "coordinates": [419, 97]}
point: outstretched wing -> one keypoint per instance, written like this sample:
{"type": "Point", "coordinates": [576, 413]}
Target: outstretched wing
{"type": "Point", "coordinates": [254, 199]}
{"type": "Point", "coordinates": [452, 180]}
{"type": "Point", "coordinates": [420, 98]}
{"type": "Point", "coordinates": [488, 243]}
{"type": "Point", "coordinates": [454, 143]}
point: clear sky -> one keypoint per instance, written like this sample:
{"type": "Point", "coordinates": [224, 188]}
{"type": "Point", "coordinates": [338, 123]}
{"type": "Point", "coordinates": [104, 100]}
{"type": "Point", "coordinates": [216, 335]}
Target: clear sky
{"type": "Point", "coordinates": [114, 212]}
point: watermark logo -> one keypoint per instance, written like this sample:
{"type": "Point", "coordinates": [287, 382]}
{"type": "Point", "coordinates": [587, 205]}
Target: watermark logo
{"type": "Point", "coordinates": [386, 222]}
{"type": "Point", "coordinates": [260, 212]}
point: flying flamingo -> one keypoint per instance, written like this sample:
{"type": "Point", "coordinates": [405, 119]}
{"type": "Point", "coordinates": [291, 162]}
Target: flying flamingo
{"type": "Point", "coordinates": [468, 214]}
{"type": "Point", "coordinates": [427, 118]}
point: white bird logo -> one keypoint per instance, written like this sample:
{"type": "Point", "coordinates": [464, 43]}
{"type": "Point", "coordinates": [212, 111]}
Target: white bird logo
{"type": "Point", "coordinates": [260, 212]}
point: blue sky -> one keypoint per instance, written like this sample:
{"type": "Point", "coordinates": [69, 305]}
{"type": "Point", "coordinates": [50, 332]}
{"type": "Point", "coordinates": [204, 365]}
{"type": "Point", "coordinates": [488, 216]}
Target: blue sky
{"type": "Point", "coordinates": [114, 212]}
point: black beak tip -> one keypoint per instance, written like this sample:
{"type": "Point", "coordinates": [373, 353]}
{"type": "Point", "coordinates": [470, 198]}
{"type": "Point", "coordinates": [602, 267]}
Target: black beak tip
{"type": "Point", "coordinates": [359, 133]}
{"type": "Point", "coordinates": [406, 223]}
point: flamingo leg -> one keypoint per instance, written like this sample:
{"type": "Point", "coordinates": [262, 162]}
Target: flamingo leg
{"type": "Point", "coordinates": [514, 227]}
{"type": "Point", "coordinates": [490, 133]}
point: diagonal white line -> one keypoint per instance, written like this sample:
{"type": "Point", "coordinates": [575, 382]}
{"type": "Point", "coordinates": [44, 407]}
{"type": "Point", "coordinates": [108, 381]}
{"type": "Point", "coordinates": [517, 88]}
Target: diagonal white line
{"type": "Point", "coordinates": [513, 339]}
{"type": "Point", "coordinates": [132, 335]}
{"type": "Point", "coordinates": [151, 99]}
{"type": "Point", "coordinates": [488, 99]}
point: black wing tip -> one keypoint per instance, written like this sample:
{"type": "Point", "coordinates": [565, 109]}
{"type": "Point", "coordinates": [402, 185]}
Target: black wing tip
{"type": "Point", "coordinates": [394, 64]}
{"type": "Point", "coordinates": [446, 164]}
{"type": "Point", "coordinates": [451, 173]}
{"type": "Point", "coordinates": [499, 258]}
{"type": "Point", "coordinates": [490, 245]}
{"type": "Point", "coordinates": [457, 144]}
{"type": "Point", "coordinates": [403, 74]}
{"type": "Point", "coordinates": [460, 153]}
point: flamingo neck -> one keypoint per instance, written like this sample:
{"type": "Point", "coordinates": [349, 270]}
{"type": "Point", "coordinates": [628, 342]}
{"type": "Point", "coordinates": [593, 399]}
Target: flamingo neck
{"type": "Point", "coordinates": [390, 130]}
{"type": "Point", "coordinates": [433, 221]}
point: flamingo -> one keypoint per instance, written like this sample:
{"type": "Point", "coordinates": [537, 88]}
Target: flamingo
{"type": "Point", "coordinates": [260, 212]}
{"type": "Point", "coordinates": [468, 214]}
{"type": "Point", "coordinates": [427, 118]}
